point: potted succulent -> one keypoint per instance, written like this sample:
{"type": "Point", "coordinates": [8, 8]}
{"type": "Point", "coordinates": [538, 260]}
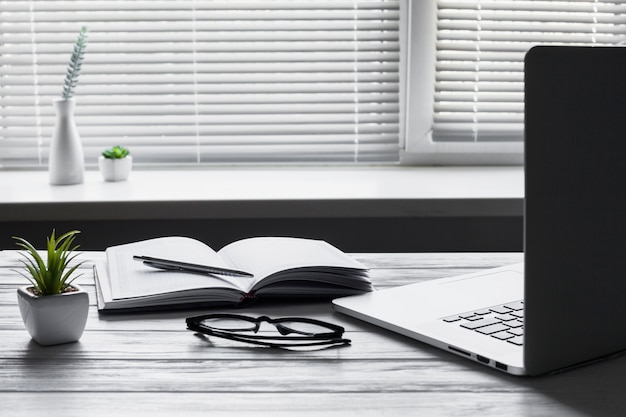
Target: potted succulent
{"type": "Point", "coordinates": [54, 310]}
{"type": "Point", "coordinates": [115, 163]}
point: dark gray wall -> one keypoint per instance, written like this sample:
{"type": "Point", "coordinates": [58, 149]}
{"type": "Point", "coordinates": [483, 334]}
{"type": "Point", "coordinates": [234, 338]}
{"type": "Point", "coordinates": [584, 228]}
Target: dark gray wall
{"type": "Point", "coordinates": [408, 234]}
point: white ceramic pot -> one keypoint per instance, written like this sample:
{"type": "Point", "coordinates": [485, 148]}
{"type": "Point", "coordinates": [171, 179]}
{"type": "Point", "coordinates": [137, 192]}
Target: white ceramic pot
{"type": "Point", "coordinates": [66, 164]}
{"type": "Point", "coordinates": [115, 169]}
{"type": "Point", "coordinates": [54, 319]}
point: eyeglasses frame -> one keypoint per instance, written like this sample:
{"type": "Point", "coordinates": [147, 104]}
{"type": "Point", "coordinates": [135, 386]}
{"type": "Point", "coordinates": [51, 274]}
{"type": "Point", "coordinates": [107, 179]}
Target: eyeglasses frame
{"type": "Point", "coordinates": [333, 337]}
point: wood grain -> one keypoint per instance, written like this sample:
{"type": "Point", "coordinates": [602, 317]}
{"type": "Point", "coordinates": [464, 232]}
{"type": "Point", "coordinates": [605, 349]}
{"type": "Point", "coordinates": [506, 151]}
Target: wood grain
{"type": "Point", "coordinates": [150, 364]}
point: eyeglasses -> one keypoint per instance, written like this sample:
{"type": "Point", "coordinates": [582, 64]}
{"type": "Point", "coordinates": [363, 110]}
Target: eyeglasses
{"type": "Point", "coordinates": [293, 332]}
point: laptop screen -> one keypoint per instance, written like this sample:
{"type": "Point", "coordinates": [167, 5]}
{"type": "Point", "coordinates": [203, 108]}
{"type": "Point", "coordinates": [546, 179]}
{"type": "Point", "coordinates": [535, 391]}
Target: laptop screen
{"type": "Point", "coordinates": [575, 205]}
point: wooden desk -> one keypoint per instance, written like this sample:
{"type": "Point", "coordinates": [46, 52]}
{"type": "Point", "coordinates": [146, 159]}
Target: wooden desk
{"type": "Point", "coordinates": [149, 364]}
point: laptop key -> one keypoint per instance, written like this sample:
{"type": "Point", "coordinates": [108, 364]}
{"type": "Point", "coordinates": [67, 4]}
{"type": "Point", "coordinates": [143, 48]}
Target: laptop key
{"type": "Point", "coordinates": [500, 309]}
{"type": "Point", "coordinates": [514, 323]}
{"type": "Point", "coordinates": [502, 335]}
{"type": "Point", "coordinates": [518, 305]}
{"type": "Point", "coordinates": [505, 317]}
{"type": "Point", "coordinates": [493, 328]}
{"type": "Point", "coordinates": [473, 325]}
{"type": "Point", "coordinates": [517, 340]}
{"type": "Point", "coordinates": [519, 314]}
{"type": "Point", "coordinates": [451, 319]}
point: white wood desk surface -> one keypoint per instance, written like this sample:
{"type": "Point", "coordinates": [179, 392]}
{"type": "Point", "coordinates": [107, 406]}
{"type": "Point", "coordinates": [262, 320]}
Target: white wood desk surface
{"type": "Point", "coordinates": [149, 364]}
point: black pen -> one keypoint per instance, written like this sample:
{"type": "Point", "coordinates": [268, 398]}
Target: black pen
{"type": "Point", "coordinates": [184, 266]}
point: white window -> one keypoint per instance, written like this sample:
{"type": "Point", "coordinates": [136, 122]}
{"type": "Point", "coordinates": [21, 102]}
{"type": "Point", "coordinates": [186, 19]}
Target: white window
{"type": "Point", "coordinates": [193, 82]}
{"type": "Point", "coordinates": [465, 102]}
{"type": "Point", "coordinates": [190, 82]}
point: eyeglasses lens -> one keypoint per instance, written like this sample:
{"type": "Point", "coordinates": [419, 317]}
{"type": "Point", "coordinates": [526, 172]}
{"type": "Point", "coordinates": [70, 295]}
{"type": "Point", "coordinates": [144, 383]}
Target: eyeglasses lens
{"type": "Point", "coordinates": [298, 327]}
{"type": "Point", "coordinates": [229, 324]}
{"type": "Point", "coordinates": [283, 327]}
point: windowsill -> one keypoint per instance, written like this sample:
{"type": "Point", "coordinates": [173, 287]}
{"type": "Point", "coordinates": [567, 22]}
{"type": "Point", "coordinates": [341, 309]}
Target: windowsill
{"type": "Point", "coordinates": [268, 193]}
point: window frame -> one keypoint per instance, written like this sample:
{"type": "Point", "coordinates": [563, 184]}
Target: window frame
{"type": "Point", "coordinates": [418, 147]}
{"type": "Point", "coordinates": [418, 27]}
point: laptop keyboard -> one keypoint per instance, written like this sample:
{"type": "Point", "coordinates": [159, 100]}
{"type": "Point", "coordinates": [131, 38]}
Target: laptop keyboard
{"type": "Point", "coordinates": [504, 322]}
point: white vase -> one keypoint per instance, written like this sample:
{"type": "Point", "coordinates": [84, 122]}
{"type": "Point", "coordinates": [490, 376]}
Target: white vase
{"type": "Point", "coordinates": [115, 169]}
{"type": "Point", "coordinates": [54, 319]}
{"type": "Point", "coordinates": [66, 163]}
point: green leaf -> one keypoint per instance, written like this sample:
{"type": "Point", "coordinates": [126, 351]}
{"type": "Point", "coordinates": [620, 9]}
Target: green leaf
{"type": "Point", "coordinates": [116, 152]}
{"type": "Point", "coordinates": [55, 275]}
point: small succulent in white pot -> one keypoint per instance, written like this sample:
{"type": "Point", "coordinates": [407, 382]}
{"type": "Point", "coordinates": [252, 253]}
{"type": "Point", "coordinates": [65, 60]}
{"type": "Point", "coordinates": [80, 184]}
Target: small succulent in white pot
{"type": "Point", "coordinates": [54, 310]}
{"type": "Point", "coordinates": [115, 163]}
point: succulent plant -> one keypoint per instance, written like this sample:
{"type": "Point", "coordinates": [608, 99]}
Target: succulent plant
{"type": "Point", "coordinates": [116, 152]}
{"type": "Point", "coordinates": [52, 276]}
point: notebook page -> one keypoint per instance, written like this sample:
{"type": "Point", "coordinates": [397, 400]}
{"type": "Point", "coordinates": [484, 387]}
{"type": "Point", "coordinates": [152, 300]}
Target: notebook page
{"type": "Point", "coordinates": [130, 278]}
{"type": "Point", "coordinates": [264, 256]}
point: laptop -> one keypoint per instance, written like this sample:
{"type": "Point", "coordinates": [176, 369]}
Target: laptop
{"type": "Point", "coordinates": [565, 305]}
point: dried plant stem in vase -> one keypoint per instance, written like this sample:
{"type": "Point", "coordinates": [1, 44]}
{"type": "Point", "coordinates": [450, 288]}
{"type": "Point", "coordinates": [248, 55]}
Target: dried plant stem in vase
{"type": "Point", "coordinates": [66, 163]}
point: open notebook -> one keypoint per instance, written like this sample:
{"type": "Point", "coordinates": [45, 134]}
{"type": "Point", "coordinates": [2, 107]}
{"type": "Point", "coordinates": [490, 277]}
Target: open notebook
{"type": "Point", "coordinates": [280, 267]}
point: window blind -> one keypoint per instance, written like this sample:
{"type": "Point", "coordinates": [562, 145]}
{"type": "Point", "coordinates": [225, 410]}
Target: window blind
{"type": "Point", "coordinates": [481, 44]}
{"type": "Point", "coordinates": [195, 82]}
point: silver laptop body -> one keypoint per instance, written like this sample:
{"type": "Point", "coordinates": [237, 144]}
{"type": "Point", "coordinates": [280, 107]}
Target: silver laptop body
{"type": "Point", "coordinates": [573, 280]}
